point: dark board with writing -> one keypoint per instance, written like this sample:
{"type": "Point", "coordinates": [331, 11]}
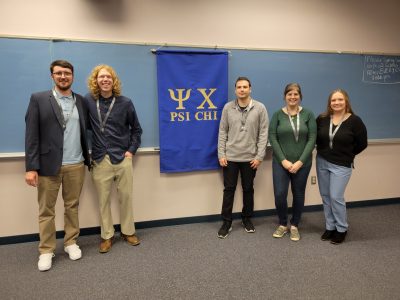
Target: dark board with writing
{"type": "Point", "coordinates": [25, 69]}
{"type": "Point", "coordinates": [381, 69]}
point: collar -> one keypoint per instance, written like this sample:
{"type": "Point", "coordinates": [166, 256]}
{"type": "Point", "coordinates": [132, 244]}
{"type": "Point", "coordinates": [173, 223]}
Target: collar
{"type": "Point", "coordinates": [108, 99]}
{"type": "Point", "coordinates": [284, 109]}
{"type": "Point", "coordinates": [250, 106]}
{"type": "Point", "coordinates": [61, 96]}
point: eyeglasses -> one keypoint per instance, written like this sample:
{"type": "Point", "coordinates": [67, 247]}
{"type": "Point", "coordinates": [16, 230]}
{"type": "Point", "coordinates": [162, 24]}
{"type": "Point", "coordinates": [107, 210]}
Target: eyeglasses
{"type": "Point", "coordinates": [60, 74]}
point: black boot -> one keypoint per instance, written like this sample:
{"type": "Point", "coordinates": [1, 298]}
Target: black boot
{"type": "Point", "coordinates": [338, 237]}
{"type": "Point", "coordinates": [327, 235]}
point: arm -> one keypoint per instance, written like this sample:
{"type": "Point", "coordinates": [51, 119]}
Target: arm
{"type": "Point", "coordinates": [32, 142]}
{"type": "Point", "coordinates": [322, 140]}
{"type": "Point", "coordinates": [274, 141]}
{"type": "Point", "coordinates": [82, 107]}
{"type": "Point", "coordinates": [32, 136]}
{"type": "Point", "coordinates": [360, 136]}
{"type": "Point", "coordinates": [135, 131]}
{"type": "Point", "coordinates": [85, 104]}
{"type": "Point", "coordinates": [222, 138]}
{"type": "Point", "coordinates": [311, 137]}
{"type": "Point", "coordinates": [89, 128]}
{"type": "Point", "coordinates": [262, 139]}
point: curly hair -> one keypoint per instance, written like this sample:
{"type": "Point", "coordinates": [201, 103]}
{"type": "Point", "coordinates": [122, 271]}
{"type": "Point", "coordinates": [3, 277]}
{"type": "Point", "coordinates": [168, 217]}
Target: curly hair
{"type": "Point", "coordinates": [94, 87]}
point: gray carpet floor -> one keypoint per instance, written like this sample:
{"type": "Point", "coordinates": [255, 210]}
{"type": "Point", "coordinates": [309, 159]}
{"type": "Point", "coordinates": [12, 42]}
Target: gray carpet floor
{"type": "Point", "coordinates": [190, 262]}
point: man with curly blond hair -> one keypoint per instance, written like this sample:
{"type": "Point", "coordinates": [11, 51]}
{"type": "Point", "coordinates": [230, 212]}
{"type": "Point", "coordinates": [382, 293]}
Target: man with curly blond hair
{"type": "Point", "coordinates": [115, 140]}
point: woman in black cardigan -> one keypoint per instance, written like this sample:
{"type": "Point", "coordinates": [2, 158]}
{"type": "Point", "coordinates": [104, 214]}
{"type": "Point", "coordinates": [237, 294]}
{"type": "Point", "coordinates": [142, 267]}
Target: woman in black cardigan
{"type": "Point", "coordinates": [341, 135]}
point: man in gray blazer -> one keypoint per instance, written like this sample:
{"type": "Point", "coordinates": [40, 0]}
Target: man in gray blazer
{"type": "Point", "coordinates": [55, 153]}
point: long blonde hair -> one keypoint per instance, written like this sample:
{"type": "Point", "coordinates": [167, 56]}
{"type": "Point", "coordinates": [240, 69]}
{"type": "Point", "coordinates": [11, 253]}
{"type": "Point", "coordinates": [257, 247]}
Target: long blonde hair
{"type": "Point", "coordinates": [94, 87]}
{"type": "Point", "coordinates": [329, 110]}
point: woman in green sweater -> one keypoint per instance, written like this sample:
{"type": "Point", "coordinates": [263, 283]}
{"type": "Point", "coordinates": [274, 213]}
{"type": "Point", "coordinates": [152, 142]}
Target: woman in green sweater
{"type": "Point", "coordinates": [292, 134]}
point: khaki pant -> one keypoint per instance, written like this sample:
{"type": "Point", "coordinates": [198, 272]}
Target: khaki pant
{"type": "Point", "coordinates": [104, 174]}
{"type": "Point", "coordinates": [71, 178]}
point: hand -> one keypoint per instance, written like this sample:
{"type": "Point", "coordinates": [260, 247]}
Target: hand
{"type": "Point", "coordinates": [255, 163]}
{"type": "Point", "coordinates": [286, 164]}
{"type": "Point", "coordinates": [223, 162]}
{"type": "Point", "coordinates": [91, 164]}
{"type": "Point", "coordinates": [128, 154]}
{"type": "Point", "coordinates": [32, 178]}
{"type": "Point", "coordinates": [295, 167]}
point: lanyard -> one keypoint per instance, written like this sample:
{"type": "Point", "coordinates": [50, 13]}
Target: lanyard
{"type": "Point", "coordinates": [66, 118]}
{"type": "Point", "coordinates": [332, 134]}
{"type": "Point", "coordinates": [244, 115]}
{"type": "Point", "coordinates": [296, 130]}
{"type": "Point", "coordinates": [103, 122]}
{"type": "Point", "coordinates": [243, 119]}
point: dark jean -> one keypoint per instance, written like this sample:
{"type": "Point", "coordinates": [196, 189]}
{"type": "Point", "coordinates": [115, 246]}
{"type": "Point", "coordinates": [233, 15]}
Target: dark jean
{"type": "Point", "coordinates": [281, 178]}
{"type": "Point", "coordinates": [231, 174]}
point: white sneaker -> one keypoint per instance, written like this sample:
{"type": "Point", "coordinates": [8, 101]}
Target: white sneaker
{"type": "Point", "coordinates": [45, 261]}
{"type": "Point", "coordinates": [73, 251]}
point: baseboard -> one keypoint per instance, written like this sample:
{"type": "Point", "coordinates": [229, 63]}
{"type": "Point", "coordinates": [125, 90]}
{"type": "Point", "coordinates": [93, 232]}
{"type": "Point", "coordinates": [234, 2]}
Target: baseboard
{"type": "Point", "coordinates": [190, 220]}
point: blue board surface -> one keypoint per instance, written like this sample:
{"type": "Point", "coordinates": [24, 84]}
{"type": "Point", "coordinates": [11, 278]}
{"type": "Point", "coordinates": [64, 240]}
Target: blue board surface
{"type": "Point", "coordinates": [25, 69]}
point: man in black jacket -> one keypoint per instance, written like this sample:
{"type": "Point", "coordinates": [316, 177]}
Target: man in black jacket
{"type": "Point", "coordinates": [55, 154]}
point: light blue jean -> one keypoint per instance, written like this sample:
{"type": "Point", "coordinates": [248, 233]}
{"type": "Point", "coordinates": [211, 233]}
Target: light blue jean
{"type": "Point", "coordinates": [332, 182]}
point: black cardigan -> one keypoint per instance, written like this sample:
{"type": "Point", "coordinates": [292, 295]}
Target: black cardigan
{"type": "Point", "coordinates": [349, 140]}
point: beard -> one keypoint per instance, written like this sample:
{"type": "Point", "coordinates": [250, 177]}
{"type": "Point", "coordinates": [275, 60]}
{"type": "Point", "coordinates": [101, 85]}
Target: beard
{"type": "Point", "coordinates": [63, 87]}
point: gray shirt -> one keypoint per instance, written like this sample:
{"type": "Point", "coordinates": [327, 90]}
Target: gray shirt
{"type": "Point", "coordinates": [243, 134]}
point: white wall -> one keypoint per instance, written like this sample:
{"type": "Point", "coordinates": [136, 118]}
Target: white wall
{"type": "Point", "coordinates": [323, 25]}
{"type": "Point", "coordinates": [343, 25]}
{"type": "Point", "coordinates": [161, 196]}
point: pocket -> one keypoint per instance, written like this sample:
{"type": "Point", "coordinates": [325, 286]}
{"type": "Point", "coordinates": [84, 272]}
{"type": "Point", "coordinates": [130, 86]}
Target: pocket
{"type": "Point", "coordinates": [127, 161]}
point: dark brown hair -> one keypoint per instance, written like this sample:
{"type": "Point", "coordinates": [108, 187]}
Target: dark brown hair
{"type": "Point", "coordinates": [61, 63]}
{"type": "Point", "coordinates": [293, 86]}
{"type": "Point", "coordinates": [242, 78]}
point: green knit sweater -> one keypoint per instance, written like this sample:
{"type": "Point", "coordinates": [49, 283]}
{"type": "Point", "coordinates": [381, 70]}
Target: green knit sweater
{"type": "Point", "coordinates": [282, 139]}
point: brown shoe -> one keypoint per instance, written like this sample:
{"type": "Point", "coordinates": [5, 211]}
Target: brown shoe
{"type": "Point", "coordinates": [106, 245]}
{"type": "Point", "coordinates": [131, 239]}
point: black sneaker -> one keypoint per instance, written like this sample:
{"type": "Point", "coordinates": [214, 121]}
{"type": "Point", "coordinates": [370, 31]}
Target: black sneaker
{"type": "Point", "coordinates": [225, 229]}
{"type": "Point", "coordinates": [327, 235]}
{"type": "Point", "coordinates": [248, 225]}
{"type": "Point", "coordinates": [338, 237]}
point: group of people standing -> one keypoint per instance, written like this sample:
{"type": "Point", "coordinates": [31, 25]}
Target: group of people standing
{"type": "Point", "coordinates": [56, 151]}
{"type": "Point", "coordinates": [293, 132]}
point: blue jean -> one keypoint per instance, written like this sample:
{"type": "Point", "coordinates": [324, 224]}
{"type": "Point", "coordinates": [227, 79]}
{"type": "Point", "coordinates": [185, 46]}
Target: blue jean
{"type": "Point", "coordinates": [231, 174]}
{"type": "Point", "coordinates": [281, 178]}
{"type": "Point", "coordinates": [332, 182]}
